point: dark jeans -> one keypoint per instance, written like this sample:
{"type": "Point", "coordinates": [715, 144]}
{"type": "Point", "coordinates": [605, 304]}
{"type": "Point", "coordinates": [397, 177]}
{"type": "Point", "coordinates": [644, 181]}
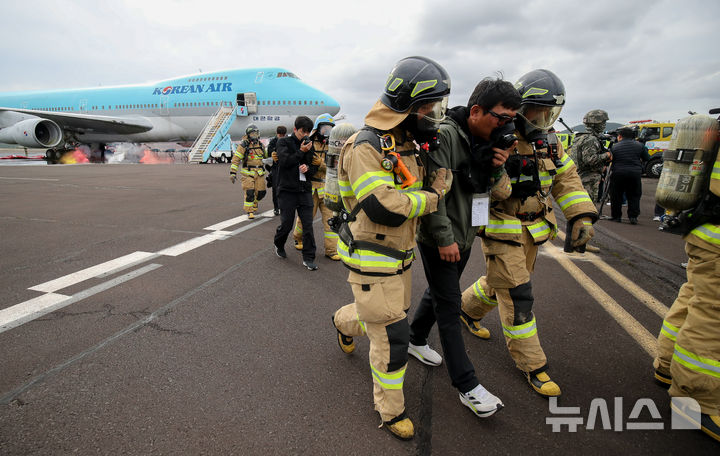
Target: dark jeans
{"type": "Point", "coordinates": [274, 179]}
{"type": "Point", "coordinates": [631, 186]}
{"type": "Point", "coordinates": [441, 303]}
{"type": "Point", "coordinates": [302, 203]}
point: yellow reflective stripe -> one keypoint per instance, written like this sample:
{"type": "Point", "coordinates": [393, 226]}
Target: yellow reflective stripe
{"type": "Point", "coordinates": [480, 293]}
{"type": "Point", "coordinates": [389, 381]}
{"type": "Point", "coordinates": [362, 323]}
{"type": "Point", "coordinates": [587, 223]}
{"type": "Point", "coordinates": [370, 181]}
{"type": "Point", "coordinates": [345, 189]}
{"type": "Point", "coordinates": [539, 229]}
{"type": "Point", "coordinates": [298, 228]}
{"type": "Point", "coordinates": [545, 179]}
{"type": "Point", "coordinates": [504, 226]}
{"type": "Point", "coordinates": [247, 172]}
{"type": "Point", "coordinates": [249, 204]}
{"type": "Point", "coordinates": [566, 162]}
{"type": "Point", "coordinates": [522, 178]}
{"type": "Point", "coordinates": [321, 192]}
{"type": "Point", "coordinates": [238, 154]}
{"type": "Point", "coordinates": [367, 258]}
{"type": "Point", "coordinates": [418, 202]}
{"type": "Point", "coordinates": [695, 362]}
{"type": "Point", "coordinates": [234, 167]}
{"type": "Point", "coordinates": [708, 232]}
{"type": "Point", "coordinates": [716, 171]}
{"type": "Point", "coordinates": [330, 234]}
{"type": "Point", "coordinates": [523, 331]}
{"type": "Point", "coordinates": [572, 198]}
{"type": "Point", "coordinates": [669, 330]}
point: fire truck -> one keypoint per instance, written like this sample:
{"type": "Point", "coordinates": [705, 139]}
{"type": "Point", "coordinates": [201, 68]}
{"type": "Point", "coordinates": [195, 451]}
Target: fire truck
{"type": "Point", "coordinates": [656, 137]}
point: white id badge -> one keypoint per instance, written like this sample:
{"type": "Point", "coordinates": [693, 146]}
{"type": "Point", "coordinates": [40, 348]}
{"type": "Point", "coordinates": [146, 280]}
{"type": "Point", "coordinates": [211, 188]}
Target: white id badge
{"type": "Point", "coordinates": [302, 176]}
{"type": "Point", "coordinates": [480, 209]}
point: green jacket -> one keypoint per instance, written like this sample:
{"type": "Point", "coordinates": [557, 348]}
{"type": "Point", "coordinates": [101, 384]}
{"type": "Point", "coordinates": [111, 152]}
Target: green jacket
{"type": "Point", "coordinates": [453, 220]}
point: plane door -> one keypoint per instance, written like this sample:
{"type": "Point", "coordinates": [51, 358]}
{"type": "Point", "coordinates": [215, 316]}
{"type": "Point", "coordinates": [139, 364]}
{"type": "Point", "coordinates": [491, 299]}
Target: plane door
{"type": "Point", "coordinates": [249, 100]}
{"type": "Point", "coordinates": [164, 105]}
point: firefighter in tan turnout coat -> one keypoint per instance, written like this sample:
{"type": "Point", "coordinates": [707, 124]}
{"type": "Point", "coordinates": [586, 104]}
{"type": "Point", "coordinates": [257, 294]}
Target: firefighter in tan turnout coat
{"type": "Point", "coordinates": [250, 154]}
{"type": "Point", "coordinates": [381, 183]}
{"type": "Point", "coordinates": [518, 225]}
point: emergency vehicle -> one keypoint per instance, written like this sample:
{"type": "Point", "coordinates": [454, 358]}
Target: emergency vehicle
{"type": "Point", "coordinates": [656, 137]}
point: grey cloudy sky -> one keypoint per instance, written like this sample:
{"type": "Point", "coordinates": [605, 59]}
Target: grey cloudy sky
{"type": "Point", "coordinates": [635, 59]}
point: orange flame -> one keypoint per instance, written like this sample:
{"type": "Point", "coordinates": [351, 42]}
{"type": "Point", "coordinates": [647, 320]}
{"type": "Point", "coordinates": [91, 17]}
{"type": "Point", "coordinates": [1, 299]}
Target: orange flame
{"type": "Point", "coordinates": [152, 158]}
{"type": "Point", "coordinates": [73, 157]}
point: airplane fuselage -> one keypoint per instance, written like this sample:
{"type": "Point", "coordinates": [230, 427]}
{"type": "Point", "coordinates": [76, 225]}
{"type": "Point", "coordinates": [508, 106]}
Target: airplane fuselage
{"type": "Point", "coordinates": [173, 109]}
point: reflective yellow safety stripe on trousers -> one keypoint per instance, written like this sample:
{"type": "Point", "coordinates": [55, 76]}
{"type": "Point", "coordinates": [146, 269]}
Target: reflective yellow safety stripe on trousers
{"type": "Point", "coordinates": [481, 295]}
{"type": "Point", "coordinates": [708, 233]}
{"type": "Point", "coordinates": [504, 226]}
{"type": "Point", "coordinates": [362, 258]}
{"type": "Point", "coordinates": [696, 363]}
{"type": "Point", "coordinates": [389, 381]}
{"type": "Point", "coordinates": [669, 330]}
{"type": "Point", "coordinates": [523, 331]}
{"type": "Point", "coordinates": [572, 198]}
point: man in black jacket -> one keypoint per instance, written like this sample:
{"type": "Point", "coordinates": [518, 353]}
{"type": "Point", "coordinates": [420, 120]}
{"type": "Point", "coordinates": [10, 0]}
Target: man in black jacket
{"type": "Point", "coordinates": [627, 165]}
{"type": "Point", "coordinates": [280, 132]}
{"type": "Point", "coordinates": [295, 169]}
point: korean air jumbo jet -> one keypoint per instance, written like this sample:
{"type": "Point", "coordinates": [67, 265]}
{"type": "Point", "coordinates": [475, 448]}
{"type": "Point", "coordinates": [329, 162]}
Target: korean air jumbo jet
{"type": "Point", "coordinates": [174, 110]}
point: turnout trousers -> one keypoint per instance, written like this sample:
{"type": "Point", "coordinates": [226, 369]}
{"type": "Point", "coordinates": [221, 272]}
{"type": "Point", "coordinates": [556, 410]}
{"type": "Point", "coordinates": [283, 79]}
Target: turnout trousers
{"type": "Point", "coordinates": [441, 303]}
{"type": "Point", "coordinates": [380, 311]}
{"type": "Point", "coordinates": [689, 340]}
{"type": "Point", "coordinates": [330, 237]}
{"type": "Point", "coordinates": [255, 188]}
{"type": "Point", "coordinates": [507, 286]}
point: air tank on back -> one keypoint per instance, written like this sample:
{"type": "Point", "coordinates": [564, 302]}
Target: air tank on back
{"type": "Point", "coordinates": [338, 136]}
{"type": "Point", "coordinates": [687, 163]}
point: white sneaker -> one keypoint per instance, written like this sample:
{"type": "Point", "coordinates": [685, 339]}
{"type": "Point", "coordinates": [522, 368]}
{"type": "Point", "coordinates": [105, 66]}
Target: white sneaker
{"type": "Point", "coordinates": [425, 354]}
{"type": "Point", "coordinates": [481, 402]}
{"type": "Point", "coordinates": [657, 218]}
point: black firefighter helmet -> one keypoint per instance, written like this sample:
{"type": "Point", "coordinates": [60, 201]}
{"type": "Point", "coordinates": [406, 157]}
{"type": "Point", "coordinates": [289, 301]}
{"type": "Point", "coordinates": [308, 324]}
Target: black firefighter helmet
{"type": "Point", "coordinates": [543, 96]}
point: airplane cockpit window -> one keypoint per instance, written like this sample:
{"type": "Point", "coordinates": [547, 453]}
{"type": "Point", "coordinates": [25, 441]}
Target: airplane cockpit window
{"type": "Point", "coordinates": [287, 74]}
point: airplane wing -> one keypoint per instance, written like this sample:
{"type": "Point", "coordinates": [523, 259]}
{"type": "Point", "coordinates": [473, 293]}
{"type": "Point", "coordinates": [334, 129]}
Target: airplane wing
{"type": "Point", "coordinates": [91, 123]}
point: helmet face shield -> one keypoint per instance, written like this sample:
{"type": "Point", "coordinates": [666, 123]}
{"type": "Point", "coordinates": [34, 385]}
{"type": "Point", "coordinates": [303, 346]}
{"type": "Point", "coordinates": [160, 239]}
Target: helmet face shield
{"type": "Point", "coordinates": [539, 116]}
{"type": "Point", "coordinates": [254, 135]}
{"type": "Point", "coordinates": [324, 130]}
{"type": "Point", "coordinates": [432, 112]}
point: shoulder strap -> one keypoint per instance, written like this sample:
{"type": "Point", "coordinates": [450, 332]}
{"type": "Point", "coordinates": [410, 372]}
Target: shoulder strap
{"type": "Point", "coordinates": [369, 135]}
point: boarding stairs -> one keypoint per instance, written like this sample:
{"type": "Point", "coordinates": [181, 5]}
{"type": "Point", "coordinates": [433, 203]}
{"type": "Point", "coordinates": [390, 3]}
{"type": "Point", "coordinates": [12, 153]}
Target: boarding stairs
{"type": "Point", "coordinates": [213, 136]}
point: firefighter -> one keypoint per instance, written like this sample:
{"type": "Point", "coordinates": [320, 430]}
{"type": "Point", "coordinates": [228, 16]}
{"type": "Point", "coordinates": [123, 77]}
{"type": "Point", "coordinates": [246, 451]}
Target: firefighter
{"type": "Point", "coordinates": [250, 153]}
{"type": "Point", "coordinates": [538, 169]}
{"type": "Point", "coordinates": [319, 137]}
{"type": "Point", "coordinates": [688, 360]}
{"type": "Point", "coordinates": [590, 153]}
{"type": "Point", "coordinates": [381, 183]}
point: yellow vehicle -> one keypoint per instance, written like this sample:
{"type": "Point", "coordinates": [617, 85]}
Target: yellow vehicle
{"type": "Point", "coordinates": [656, 137]}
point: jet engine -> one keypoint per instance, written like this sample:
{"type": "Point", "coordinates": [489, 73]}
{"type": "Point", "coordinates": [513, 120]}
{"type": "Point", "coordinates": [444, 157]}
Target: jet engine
{"type": "Point", "coordinates": [36, 133]}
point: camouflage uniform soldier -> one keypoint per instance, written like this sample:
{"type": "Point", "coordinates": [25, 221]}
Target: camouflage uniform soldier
{"type": "Point", "coordinates": [589, 153]}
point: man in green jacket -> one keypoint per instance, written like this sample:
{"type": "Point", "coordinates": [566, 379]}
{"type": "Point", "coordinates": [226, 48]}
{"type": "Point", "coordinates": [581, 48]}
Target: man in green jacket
{"type": "Point", "coordinates": [466, 145]}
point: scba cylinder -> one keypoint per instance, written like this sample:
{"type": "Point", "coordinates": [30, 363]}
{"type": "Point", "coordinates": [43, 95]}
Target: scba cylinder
{"type": "Point", "coordinates": [338, 136]}
{"type": "Point", "coordinates": [687, 163]}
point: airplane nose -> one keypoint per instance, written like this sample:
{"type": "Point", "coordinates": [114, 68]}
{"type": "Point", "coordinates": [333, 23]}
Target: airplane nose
{"type": "Point", "coordinates": [332, 105]}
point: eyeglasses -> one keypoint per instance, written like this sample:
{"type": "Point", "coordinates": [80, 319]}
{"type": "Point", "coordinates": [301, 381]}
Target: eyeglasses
{"type": "Point", "coordinates": [502, 118]}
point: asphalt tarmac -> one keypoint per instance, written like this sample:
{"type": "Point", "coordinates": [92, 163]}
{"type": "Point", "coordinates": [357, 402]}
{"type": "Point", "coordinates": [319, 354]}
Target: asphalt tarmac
{"type": "Point", "coordinates": [143, 315]}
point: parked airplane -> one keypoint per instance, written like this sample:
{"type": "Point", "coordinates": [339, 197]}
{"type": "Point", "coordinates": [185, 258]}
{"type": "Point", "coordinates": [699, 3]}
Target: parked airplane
{"type": "Point", "coordinates": [174, 110]}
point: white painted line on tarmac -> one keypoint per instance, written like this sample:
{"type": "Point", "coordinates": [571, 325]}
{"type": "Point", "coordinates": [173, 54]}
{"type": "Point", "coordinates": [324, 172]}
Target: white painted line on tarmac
{"type": "Point", "coordinates": [631, 287]}
{"type": "Point", "coordinates": [42, 305]}
{"type": "Point", "coordinates": [190, 244]}
{"type": "Point", "coordinates": [93, 271]}
{"type": "Point", "coordinates": [16, 315]}
{"type": "Point", "coordinates": [637, 331]}
{"type": "Point", "coordinates": [28, 178]}
{"type": "Point", "coordinates": [235, 221]}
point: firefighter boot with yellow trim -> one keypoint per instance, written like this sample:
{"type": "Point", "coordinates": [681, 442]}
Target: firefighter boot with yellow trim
{"type": "Point", "coordinates": [251, 215]}
{"type": "Point", "coordinates": [474, 326]}
{"type": "Point", "coordinates": [542, 384]}
{"type": "Point", "coordinates": [346, 343]}
{"type": "Point", "coordinates": [709, 424]}
{"type": "Point", "coordinates": [400, 427]}
{"type": "Point", "coordinates": [298, 245]}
